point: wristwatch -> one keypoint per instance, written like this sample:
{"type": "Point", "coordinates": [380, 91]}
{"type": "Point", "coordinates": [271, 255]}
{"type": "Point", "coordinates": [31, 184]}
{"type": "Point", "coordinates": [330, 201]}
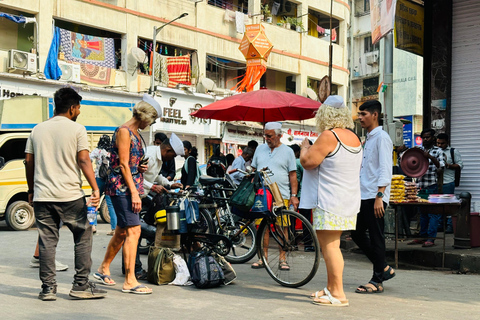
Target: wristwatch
{"type": "Point", "coordinates": [380, 194]}
{"type": "Point", "coordinates": [293, 195]}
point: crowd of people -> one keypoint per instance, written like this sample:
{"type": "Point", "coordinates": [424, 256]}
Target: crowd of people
{"type": "Point", "coordinates": [314, 178]}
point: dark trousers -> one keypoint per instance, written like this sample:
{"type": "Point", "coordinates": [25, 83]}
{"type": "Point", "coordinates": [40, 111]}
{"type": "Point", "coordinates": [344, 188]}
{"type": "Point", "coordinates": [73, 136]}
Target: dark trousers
{"type": "Point", "coordinates": [373, 244]}
{"type": "Point", "coordinates": [74, 215]}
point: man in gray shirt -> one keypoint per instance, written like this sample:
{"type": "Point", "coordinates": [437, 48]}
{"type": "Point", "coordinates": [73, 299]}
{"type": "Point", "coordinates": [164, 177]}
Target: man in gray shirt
{"type": "Point", "coordinates": [280, 159]}
{"type": "Point", "coordinates": [451, 165]}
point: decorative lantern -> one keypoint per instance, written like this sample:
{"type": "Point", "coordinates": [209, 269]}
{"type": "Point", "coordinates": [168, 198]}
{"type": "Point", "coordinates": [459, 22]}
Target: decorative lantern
{"type": "Point", "coordinates": [256, 48]}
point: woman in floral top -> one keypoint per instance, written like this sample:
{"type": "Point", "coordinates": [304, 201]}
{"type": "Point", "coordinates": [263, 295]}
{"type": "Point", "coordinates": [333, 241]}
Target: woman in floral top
{"type": "Point", "coordinates": [124, 186]}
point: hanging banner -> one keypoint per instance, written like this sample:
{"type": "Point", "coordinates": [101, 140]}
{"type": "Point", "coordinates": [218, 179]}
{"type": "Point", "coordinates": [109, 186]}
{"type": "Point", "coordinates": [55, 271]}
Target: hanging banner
{"type": "Point", "coordinates": [409, 27]}
{"type": "Point", "coordinates": [382, 13]}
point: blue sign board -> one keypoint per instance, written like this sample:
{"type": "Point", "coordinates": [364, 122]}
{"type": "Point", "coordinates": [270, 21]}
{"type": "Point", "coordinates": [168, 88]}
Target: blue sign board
{"type": "Point", "coordinates": [408, 131]}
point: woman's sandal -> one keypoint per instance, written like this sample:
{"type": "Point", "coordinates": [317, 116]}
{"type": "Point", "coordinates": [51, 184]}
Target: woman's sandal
{"type": "Point", "coordinates": [330, 300]}
{"type": "Point", "coordinates": [283, 265]}
{"type": "Point", "coordinates": [369, 290]}
{"type": "Point", "coordinates": [388, 274]}
{"type": "Point", "coordinates": [258, 265]}
{"type": "Point", "coordinates": [317, 294]}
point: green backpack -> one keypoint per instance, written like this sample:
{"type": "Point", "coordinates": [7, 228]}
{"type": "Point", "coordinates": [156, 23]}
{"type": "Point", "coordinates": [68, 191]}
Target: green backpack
{"type": "Point", "coordinates": [161, 269]}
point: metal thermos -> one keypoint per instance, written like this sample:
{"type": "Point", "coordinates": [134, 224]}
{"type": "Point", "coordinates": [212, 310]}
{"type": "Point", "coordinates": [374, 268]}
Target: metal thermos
{"type": "Point", "coordinates": [173, 217]}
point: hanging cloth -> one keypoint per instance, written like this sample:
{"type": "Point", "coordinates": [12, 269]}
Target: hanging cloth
{"type": "Point", "coordinates": [52, 71]}
{"type": "Point", "coordinates": [240, 21]}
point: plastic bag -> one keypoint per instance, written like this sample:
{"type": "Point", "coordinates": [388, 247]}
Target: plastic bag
{"type": "Point", "coordinates": [182, 275]}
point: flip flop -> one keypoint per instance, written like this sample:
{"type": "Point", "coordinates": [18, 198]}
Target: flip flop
{"type": "Point", "coordinates": [136, 291]}
{"type": "Point", "coordinates": [316, 294]}
{"type": "Point", "coordinates": [258, 265]}
{"type": "Point", "coordinates": [331, 301]}
{"type": "Point", "coordinates": [368, 290]}
{"type": "Point", "coordinates": [101, 277]}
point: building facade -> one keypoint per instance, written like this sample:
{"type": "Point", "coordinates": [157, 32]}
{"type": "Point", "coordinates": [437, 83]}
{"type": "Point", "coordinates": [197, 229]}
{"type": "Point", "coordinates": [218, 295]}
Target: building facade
{"type": "Point", "coordinates": [206, 41]}
{"type": "Point", "coordinates": [367, 73]}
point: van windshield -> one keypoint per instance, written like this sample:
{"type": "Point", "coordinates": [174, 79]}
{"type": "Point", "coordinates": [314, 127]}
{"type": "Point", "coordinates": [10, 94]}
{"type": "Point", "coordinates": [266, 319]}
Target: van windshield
{"type": "Point", "coordinates": [13, 149]}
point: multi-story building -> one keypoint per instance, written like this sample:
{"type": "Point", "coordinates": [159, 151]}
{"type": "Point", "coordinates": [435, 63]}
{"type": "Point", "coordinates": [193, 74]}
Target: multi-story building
{"type": "Point", "coordinates": [367, 73]}
{"type": "Point", "coordinates": [207, 38]}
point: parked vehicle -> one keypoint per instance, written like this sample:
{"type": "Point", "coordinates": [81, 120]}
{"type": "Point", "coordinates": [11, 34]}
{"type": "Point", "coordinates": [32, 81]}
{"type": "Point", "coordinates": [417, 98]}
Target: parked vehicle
{"type": "Point", "coordinates": [18, 116]}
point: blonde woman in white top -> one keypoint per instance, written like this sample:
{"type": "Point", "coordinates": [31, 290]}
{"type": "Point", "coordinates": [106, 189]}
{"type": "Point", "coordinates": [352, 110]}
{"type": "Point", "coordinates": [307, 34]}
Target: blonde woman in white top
{"type": "Point", "coordinates": [337, 154]}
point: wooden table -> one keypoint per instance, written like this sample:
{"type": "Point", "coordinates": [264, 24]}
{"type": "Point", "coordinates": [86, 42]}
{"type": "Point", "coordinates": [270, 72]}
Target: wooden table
{"type": "Point", "coordinates": [445, 209]}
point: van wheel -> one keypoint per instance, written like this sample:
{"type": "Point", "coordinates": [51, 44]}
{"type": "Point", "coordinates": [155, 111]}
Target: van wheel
{"type": "Point", "coordinates": [20, 216]}
{"type": "Point", "coordinates": [104, 211]}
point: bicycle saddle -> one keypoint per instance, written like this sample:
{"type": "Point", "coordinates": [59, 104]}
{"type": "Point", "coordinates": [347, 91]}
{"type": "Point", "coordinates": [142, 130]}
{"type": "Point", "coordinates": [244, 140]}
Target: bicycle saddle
{"type": "Point", "coordinates": [207, 180]}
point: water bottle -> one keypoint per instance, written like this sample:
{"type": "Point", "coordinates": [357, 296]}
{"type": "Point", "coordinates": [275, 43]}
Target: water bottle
{"type": "Point", "coordinates": [291, 208]}
{"type": "Point", "coordinates": [91, 214]}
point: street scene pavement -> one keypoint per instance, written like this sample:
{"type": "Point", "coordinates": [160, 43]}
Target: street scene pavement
{"type": "Point", "coordinates": [412, 294]}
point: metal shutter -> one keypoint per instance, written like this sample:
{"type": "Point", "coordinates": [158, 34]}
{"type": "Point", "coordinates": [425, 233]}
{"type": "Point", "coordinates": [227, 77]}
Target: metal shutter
{"type": "Point", "coordinates": [465, 112]}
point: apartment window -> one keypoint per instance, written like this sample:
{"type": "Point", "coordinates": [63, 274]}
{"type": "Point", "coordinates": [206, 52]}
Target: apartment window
{"type": "Point", "coordinates": [362, 7]}
{"type": "Point", "coordinates": [366, 5]}
{"type": "Point", "coordinates": [235, 5]}
{"type": "Point", "coordinates": [370, 86]}
{"type": "Point", "coordinates": [368, 46]}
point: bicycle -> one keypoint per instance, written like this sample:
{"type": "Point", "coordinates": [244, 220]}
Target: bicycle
{"type": "Point", "coordinates": [291, 233]}
{"type": "Point", "coordinates": [241, 232]}
{"type": "Point", "coordinates": [202, 231]}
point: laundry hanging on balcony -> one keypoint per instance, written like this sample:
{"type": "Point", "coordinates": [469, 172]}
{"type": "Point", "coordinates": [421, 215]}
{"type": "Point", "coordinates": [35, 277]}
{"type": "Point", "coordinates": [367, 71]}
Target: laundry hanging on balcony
{"type": "Point", "coordinates": [256, 48]}
{"type": "Point", "coordinates": [87, 49]}
{"type": "Point", "coordinates": [17, 19]}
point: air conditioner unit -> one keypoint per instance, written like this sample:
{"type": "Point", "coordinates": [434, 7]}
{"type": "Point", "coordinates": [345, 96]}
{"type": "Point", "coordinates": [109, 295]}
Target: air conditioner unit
{"type": "Point", "coordinates": [70, 72]}
{"type": "Point", "coordinates": [287, 8]}
{"type": "Point", "coordinates": [22, 61]}
{"type": "Point", "coordinates": [371, 58]}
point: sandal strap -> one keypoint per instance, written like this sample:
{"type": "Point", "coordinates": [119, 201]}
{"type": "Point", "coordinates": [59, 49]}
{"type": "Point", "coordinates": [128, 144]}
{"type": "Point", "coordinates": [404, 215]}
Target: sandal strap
{"type": "Point", "coordinates": [330, 297]}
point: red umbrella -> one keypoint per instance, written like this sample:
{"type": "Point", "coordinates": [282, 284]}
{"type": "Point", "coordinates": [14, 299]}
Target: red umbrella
{"type": "Point", "coordinates": [261, 106]}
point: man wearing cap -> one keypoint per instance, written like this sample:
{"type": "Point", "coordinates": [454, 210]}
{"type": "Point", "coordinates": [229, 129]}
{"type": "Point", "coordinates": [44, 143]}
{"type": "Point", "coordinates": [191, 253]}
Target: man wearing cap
{"type": "Point", "coordinates": [280, 159]}
{"type": "Point", "coordinates": [154, 182]}
{"type": "Point", "coordinates": [375, 180]}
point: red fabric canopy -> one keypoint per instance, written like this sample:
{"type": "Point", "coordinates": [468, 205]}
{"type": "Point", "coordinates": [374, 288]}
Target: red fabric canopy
{"type": "Point", "coordinates": [261, 106]}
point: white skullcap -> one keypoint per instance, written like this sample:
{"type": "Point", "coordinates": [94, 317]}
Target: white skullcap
{"type": "Point", "coordinates": [154, 103]}
{"type": "Point", "coordinates": [177, 144]}
{"type": "Point", "coordinates": [335, 102]}
{"type": "Point", "coordinates": [273, 125]}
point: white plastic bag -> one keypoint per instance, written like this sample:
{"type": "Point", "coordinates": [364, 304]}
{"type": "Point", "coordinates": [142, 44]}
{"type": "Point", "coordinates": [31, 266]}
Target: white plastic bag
{"type": "Point", "coordinates": [182, 275]}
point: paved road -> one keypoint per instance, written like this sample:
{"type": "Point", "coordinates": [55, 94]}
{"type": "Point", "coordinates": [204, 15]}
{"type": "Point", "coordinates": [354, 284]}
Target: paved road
{"type": "Point", "coordinates": [410, 295]}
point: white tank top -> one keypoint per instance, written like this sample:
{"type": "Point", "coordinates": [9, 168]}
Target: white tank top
{"type": "Point", "coordinates": [309, 198]}
{"type": "Point", "coordinates": [339, 180]}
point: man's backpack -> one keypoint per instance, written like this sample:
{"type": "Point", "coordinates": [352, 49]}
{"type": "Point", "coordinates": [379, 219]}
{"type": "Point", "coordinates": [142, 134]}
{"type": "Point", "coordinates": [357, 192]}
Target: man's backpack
{"type": "Point", "coordinates": [161, 269]}
{"type": "Point", "coordinates": [205, 272]}
{"type": "Point", "coordinates": [103, 171]}
{"type": "Point", "coordinates": [458, 171]}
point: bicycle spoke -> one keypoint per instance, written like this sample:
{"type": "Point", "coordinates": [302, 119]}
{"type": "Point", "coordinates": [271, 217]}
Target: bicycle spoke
{"type": "Point", "coordinates": [283, 241]}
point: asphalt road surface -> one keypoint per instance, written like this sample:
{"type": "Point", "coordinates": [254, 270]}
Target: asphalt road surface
{"type": "Point", "coordinates": [412, 294]}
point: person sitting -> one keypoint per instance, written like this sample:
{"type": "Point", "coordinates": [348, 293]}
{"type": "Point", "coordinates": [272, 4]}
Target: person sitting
{"type": "Point", "coordinates": [239, 163]}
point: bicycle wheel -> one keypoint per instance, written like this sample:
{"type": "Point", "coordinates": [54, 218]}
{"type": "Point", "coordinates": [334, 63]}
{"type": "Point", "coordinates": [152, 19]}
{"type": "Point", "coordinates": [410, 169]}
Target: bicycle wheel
{"type": "Point", "coordinates": [288, 238]}
{"type": "Point", "coordinates": [244, 245]}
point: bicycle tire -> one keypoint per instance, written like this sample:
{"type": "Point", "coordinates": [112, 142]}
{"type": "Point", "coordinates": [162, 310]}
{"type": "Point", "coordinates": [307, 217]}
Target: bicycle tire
{"type": "Point", "coordinates": [303, 265]}
{"type": "Point", "coordinates": [244, 246]}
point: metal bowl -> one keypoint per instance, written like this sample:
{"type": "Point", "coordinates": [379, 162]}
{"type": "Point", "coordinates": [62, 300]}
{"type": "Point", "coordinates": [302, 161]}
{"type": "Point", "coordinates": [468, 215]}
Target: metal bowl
{"type": "Point", "coordinates": [413, 163]}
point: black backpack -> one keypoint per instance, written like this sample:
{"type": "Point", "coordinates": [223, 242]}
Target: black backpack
{"type": "Point", "coordinates": [205, 272]}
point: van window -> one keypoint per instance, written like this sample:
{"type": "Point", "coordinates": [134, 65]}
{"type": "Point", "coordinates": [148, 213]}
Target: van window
{"type": "Point", "coordinates": [13, 149]}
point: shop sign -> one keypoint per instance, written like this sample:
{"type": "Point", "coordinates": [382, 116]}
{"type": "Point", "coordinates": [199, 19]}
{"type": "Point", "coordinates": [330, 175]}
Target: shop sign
{"type": "Point", "coordinates": [408, 131]}
{"type": "Point", "coordinates": [176, 110]}
{"type": "Point", "coordinates": [298, 135]}
{"type": "Point", "coordinates": [409, 27]}
{"type": "Point", "coordinates": [242, 135]}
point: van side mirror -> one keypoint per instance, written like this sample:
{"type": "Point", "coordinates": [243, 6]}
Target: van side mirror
{"type": "Point", "coordinates": [2, 162]}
